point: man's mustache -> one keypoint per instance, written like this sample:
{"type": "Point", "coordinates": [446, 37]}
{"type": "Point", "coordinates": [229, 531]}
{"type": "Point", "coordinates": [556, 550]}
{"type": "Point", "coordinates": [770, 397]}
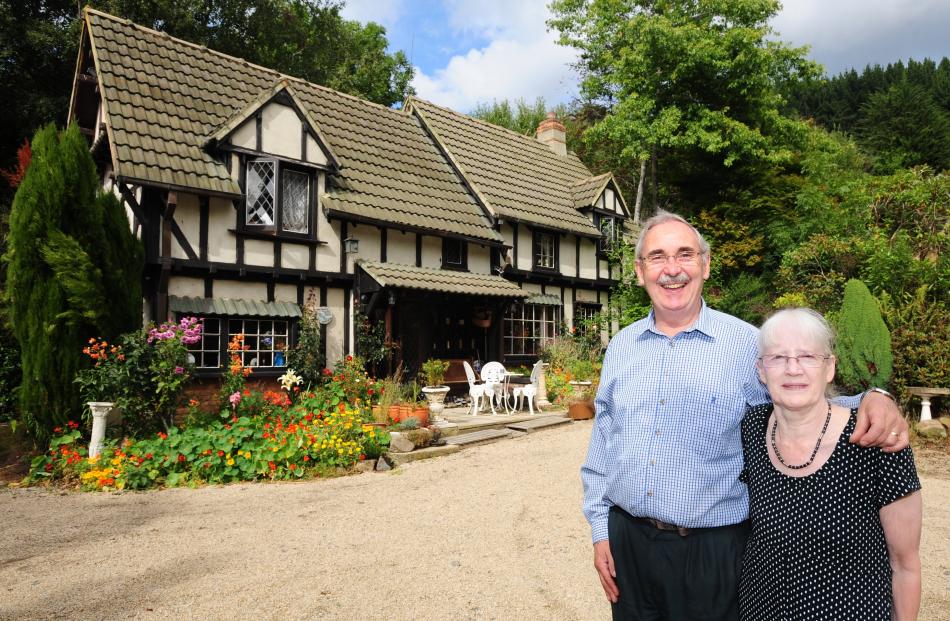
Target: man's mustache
{"type": "Point", "coordinates": [679, 279]}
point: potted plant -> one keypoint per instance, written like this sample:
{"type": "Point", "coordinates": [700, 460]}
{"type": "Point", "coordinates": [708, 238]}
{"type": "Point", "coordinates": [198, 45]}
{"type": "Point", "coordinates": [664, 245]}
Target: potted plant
{"type": "Point", "coordinates": [581, 406]}
{"type": "Point", "coordinates": [434, 370]}
{"type": "Point", "coordinates": [418, 409]}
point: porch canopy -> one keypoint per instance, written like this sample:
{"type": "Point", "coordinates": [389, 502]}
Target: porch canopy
{"type": "Point", "coordinates": [397, 275]}
{"type": "Point", "coordinates": [231, 307]}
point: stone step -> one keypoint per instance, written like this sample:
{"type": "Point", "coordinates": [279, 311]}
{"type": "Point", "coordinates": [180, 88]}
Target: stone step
{"type": "Point", "coordinates": [398, 459]}
{"type": "Point", "coordinates": [534, 424]}
{"type": "Point", "coordinates": [477, 437]}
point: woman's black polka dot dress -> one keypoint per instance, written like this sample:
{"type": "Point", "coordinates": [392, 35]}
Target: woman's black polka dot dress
{"type": "Point", "coordinates": [816, 548]}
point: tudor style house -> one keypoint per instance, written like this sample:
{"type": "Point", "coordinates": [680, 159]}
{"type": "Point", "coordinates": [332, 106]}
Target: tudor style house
{"type": "Point", "coordinates": [255, 193]}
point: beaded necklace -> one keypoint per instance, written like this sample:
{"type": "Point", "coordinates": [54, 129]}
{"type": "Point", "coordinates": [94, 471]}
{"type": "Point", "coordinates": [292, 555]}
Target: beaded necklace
{"type": "Point", "coordinates": [813, 453]}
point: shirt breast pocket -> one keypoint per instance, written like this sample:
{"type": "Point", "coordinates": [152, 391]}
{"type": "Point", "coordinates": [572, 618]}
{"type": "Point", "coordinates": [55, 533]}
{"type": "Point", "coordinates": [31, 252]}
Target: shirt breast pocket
{"type": "Point", "coordinates": [716, 414]}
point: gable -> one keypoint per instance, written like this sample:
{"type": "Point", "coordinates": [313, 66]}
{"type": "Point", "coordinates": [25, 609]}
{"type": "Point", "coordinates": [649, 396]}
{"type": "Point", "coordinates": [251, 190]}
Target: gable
{"type": "Point", "coordinates": [282, 133]}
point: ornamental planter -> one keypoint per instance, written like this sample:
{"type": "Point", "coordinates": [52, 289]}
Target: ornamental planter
{"type": "Point", "coordinates": [436, 397]}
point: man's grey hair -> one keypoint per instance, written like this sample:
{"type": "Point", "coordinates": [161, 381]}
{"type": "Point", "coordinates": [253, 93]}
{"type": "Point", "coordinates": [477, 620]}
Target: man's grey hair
{"type": "Point", "coordinates": [662, 217]}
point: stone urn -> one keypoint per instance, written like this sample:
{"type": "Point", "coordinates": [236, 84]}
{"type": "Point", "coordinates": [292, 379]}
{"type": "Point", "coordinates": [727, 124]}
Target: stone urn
{"type": "Point", "coordinates": [435, 395]}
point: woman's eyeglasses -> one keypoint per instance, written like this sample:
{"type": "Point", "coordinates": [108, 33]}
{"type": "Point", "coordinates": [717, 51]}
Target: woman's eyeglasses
{"type": "Point", "coordinates": [804, 360]}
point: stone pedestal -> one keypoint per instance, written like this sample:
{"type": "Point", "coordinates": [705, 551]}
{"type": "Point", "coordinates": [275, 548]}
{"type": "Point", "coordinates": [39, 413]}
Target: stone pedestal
{"type": "Point", "coordinates": [541, 400]}
{"type": "Point", "coordinates": [100, 415]}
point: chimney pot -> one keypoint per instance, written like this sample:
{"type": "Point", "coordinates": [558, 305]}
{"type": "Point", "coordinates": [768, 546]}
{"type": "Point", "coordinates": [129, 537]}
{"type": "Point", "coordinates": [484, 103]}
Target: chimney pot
{"type": "Point", "coordinates": [551, 132]}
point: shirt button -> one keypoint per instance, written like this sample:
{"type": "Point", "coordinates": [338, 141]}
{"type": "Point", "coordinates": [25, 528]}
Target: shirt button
{"type": "Point", "coordinates": [662, 401]}
{"type": "Point", "coordinates": [650, 493]}
{"type": "Point", "coordinates": [652, 462]}
{"type": "Point", "coordinates": [657, 432]}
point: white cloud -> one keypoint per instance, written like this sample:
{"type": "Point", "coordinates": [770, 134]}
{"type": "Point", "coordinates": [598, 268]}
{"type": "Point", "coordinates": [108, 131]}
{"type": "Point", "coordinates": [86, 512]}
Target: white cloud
{"type": "Point", "coordinates": [521, 60]}
{"type": "Point", "coordinates": [384, 12]}
{"type": "Point", "coordinates": [505, 69]}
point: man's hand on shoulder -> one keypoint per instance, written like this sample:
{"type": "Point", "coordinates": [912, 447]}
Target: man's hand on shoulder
{"type": "Point", "coordinates": [880, 424]}
{"type": "Point", "coordinates": [604, 564]}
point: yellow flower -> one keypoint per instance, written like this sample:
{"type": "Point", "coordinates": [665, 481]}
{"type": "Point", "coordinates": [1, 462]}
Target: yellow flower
{"type": "Point", "coordinates": [230, 462]}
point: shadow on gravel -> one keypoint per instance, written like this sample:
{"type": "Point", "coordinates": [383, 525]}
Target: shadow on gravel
{"type": "Point", "coordinates": [123, 595]}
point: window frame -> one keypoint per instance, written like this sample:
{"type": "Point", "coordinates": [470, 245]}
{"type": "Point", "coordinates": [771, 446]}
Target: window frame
{"type": "Point", "coordinates": [537, 235]}
{"type": "Point", "coordinates": [547, 328]}
{"type": "Point", "coordinates": [277, 228]}
{"type": "Point", "coordinates": [584, 307]}
{"type": "Point", "coordinates": [227, 329]}
{"type": "Point", "coordinates": [463, 254]}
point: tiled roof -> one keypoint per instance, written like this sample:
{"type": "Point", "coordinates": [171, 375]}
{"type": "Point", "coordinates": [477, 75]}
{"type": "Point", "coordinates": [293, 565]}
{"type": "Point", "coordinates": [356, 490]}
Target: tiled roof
{"type": "Point", "coordinates": [165, 97]}
{"type": "Point", "coordinates": [446, 281]}
{"type": "Point", "coordinates": [586, 191]}
{"type": "Point", "coordinates": [521, 178]}
{"type": "Point", "coordinates": [235, 308]}
{"type": "Point", "coordinates": [545, 299]}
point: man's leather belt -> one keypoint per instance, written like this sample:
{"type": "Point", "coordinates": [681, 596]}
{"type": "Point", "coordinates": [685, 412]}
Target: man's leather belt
{"type": "Point", "coordinates": [682, 531]}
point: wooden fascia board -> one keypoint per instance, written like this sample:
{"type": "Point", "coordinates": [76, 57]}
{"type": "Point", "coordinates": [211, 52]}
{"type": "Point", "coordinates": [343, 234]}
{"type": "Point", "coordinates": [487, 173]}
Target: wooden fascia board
{"type": "Point", "coordinates": [176, 188]}
{"type": "Point", "coordinates": [616, 188]}
{"type": "Point", "coordinates": [230, 148]}
{"type": "Point", "coordinates": [534, 225]}
{"type": "Point", "coordinates": [318, 135]}
{"type": "Point", "coordinates": [482, 201]}
{"type": "Point", "coordinates": [103, 100]}
{"type": "Point", "coordinates": [83, 39]}
{"type": "Point", "coordinates": [347, 217]}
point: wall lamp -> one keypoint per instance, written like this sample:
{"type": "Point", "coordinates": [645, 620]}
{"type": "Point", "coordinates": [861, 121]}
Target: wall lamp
{"type": "Point", "coordinates": [351, 245]}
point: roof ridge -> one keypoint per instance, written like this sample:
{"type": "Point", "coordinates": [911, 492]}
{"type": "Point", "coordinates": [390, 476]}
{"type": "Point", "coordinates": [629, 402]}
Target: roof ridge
{"type": "Point", "coordinates": [533, 140]}
{"type": "Point", "coordinates": [165, 35]}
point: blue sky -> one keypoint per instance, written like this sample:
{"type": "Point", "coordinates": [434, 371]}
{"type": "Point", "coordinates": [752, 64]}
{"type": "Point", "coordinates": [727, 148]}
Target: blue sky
{"type": "Point", "coordinates": [474, 51]}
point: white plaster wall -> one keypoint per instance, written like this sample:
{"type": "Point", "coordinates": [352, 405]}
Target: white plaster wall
{"type": "Point", "coordinates": [479, 258]}
{"type": "Point", "coordinates": [187, 215]}
{"type": "Point", "coordinates": [401, 247]}
{"type": "Point", "coordinates": [258, 252]}
{"type": "Point", "coordinates": [238, 290]}
{"type": "Point", "coordinates": [525, 243]}
{"type": "Point", "coordinates": [328, 254]}
{"type": "Point", "coordinates": [531, 288]}
{"type": "Point", "coordinates": [287, 293]}
{"type": "Point", "coordinates": [588, 259]}
{"type": "Point", "coordinates": [369, 237]}
{"type": "Point", "coordinates": [431, 251]}
{"type": "Point", "coordinates": [314, 153]}
{"type": "Point", "coordinates": [335, 328]}
{"type": "Point", "coordinates": [246, 135]}
{"type": "Point", "coordinates": [186, 287]}
{"type": "Point", "coordinates": [221, 241]}
{"type": "Point", "coordinates": [294, 256]}
{"type": "Point", "coordinates": [587, 295]}
{"type": "Point", "coordinates": [280, 131]}
{"type": "Point", "coordinates": [507, 235]}
{"type": "Point", "coordinates": [568, 255]}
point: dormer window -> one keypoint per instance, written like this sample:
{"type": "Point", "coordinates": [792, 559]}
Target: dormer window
{"type": "Point", "coordinates": [278, 197]}
{"type": "Point", "coordinates": [610, 233]}
{"type": "Point", "coordinates": [454, 254]}
{"type": "Point", "coordinates": [545, 250]}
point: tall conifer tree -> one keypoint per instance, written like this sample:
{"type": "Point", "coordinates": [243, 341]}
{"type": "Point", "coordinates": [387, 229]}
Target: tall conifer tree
{"type": "Point", "coordinates": [73, 271]}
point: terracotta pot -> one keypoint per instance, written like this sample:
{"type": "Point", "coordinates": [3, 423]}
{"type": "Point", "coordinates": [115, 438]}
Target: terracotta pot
{"type": "Point", "coordinates": [395, 413]}
{"type": "Point", "coordinates": [581, 410]}
{"type": "Point", "coordinates": [378, 414]}
{"type": "Point", "coordinates": [420, 413]}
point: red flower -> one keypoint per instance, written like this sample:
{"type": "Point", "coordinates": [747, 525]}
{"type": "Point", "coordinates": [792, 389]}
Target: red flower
{"type": "Point", "coordinates": [181, 457]}
{"type": "Point", "coordinates": [162, 435]}
{"type": "Point", "coordinates": [309, 416]}
{"type": "Point", "coordinates": [49, 467]}
{"type": "Point", "coordinates": [370, 392]}
{"type": "Point", "coordinates": [272, 465]}
{"type": "Point", "coordinates": [57, 430]}
{"type": "Point", "coordinates": [220, 453]}
{"type": "Point", "coordinates": [327, 372]}
{"type": "Point", "coordinates": [72, 425]}
{"type": "Point", "coordinates": [362, 457]}
{"type": "Point", "coordinates": [349, 358]}
{"type": "Point", "coordinates": [306, 457]}
{"type": "Point", "coordinates": [148, 456]}
{"type": "Point", "coordinates": [293, 466]}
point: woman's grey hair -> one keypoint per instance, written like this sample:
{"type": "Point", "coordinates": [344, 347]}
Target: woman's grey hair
{"type": "Point", "coordinates": [662, 217]}
{"type": "Point", "coordinates": [803, 321]}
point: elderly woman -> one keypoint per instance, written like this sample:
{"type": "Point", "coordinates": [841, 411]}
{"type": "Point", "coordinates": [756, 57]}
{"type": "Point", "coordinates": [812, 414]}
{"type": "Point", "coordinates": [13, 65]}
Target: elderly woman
{"type": "Point", "coordinates": [835, 528]}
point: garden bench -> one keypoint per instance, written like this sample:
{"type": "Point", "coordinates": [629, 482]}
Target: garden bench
{"type": "Point", "coordinates": [925, 395]}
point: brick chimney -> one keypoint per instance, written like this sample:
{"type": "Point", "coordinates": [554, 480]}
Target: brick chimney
{"type": "Point", "coordinates": [551, 132]}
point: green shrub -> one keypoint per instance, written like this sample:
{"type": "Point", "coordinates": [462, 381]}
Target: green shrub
{"type": "Point", "coordinates": [864, 342]}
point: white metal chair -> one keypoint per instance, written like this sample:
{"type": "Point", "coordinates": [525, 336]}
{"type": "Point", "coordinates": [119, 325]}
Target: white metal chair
{"type": "Point", "coordinates": [529, 391]}
{"type": "Point", "coordinates": [493, 374]}
{"type": "Point", "coordinates": [475, 390]}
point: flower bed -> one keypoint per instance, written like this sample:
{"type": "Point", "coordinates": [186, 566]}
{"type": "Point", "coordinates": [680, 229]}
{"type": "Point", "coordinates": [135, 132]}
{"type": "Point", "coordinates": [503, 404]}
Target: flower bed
{"type": "Point", "coordinates": [265, 437]}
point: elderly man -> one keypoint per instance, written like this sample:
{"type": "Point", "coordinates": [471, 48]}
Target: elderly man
{"type": "Point", "coordinates": [661, 480]}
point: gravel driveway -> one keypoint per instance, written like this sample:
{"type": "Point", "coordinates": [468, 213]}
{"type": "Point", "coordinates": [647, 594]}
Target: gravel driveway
{"type": "Point", "coordinates": [492, 532]}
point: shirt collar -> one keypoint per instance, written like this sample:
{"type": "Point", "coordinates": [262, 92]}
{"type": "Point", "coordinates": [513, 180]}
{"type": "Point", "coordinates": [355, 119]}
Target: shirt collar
{"type": "Point", "coordinates": [705, 323]}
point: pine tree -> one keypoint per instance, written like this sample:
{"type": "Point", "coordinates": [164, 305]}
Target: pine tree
{"type": "Point", "coordinates": [864, 342]}
{"type": "Point", "coordinates": [73, 272]}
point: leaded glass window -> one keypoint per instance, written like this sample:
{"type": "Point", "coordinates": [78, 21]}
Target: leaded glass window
{"type": "Point", "coordinates": [295, 196]}
{"type": "Point", "coordinates": [261, 192]}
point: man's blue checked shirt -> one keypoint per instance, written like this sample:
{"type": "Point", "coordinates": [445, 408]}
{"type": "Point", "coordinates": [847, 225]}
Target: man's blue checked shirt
{"type": "Point", "coordinates": [666, 441]}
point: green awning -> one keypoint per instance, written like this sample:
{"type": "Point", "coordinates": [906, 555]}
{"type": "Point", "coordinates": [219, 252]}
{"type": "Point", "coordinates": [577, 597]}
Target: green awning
{"type": "Point", "coordinates": [233, 308]}
{"type": "Point", "coordinates": [545, 299]}
{"type": "Point", "coordinates": [444, 281]}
